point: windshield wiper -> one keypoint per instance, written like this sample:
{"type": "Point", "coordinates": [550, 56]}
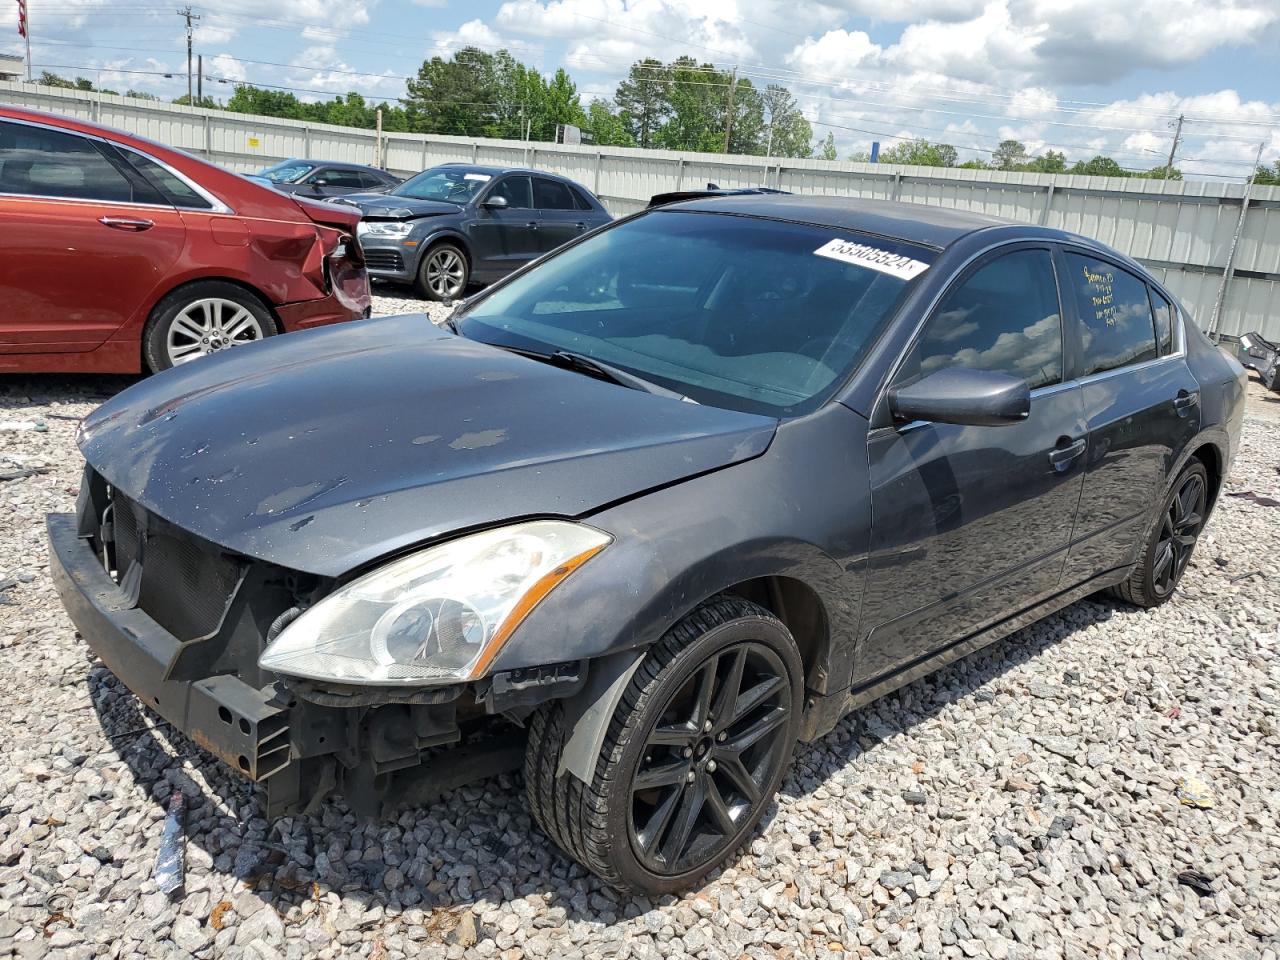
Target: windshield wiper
{"type": "Point", "coordinates": [600, 370]}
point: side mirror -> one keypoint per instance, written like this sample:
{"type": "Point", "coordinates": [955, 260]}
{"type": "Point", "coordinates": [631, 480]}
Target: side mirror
{"type": "Point", "coordinates": [317, 184]}
{"type": "Point", "coordinates": [980, 398]}
{"type": "Point", "coordinates": [495, 203]}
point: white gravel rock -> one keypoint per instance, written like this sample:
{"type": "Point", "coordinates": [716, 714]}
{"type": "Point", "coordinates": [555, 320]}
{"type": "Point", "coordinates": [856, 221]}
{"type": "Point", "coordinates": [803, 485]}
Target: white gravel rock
{"type": "Point", "coordinates": [1019, 804]}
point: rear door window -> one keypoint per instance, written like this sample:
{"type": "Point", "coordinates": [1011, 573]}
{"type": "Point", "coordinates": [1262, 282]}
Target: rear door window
{"type": "Point", "coordinates": [1116, 324]}
{"type": "Point", "coordinates": [343, 178]}
{"type": "Point", "coordinates": [1003, 317]}
{"type": "Point", "coordinates": [516, 191]}
{"type": "Point", "coordinates": [551, 195]}
{"type": "Point", "coordinates": [172, 188]}
{"type": "Point", "coordinates": [35, 161]}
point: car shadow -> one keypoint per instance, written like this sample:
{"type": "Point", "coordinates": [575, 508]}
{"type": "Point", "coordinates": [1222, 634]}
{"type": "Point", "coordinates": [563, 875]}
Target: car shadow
{"type": "Point", "coordinates": [21, 389]}
{"type": "Point", "coordinates": [496, 853]}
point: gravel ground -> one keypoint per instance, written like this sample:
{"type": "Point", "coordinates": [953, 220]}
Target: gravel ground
{"type": "Point", "coordinates": [1021, 803]}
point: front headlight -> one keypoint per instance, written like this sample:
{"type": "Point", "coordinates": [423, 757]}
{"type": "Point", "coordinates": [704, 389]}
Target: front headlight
{"type": "Point", "coordinates": [437, 616]}
{"type": "Point", "coordinates": [389, 229]}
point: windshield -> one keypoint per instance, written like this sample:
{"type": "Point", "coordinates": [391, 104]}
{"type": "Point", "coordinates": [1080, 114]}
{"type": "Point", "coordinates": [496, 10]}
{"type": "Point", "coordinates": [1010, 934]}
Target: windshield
{"type": "Point", "coordinates": [454, 184]}
{"type": "Point", "coordinates": [287, 172]}
{"type": "Point", "coordinates": [738, 312]}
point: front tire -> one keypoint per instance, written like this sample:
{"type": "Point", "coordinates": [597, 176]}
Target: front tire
{"type": "Point", "coordinates": [203, 318]}
{"type": "Point", "coordinates": [1169, 545]}
{"type": "Point", "coordinates": [692, 758]}
{"type": "Point", "coordinates": [443, 273]}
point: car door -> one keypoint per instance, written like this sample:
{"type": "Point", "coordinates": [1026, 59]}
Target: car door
{"type": "Point", "coordinates": [329, 182]}
{"type": "Point", "coordinates": [504, 238]}
{"type": "Point", "coordinates": [972, 523]}
{"type": "Point", "coordinates": [559, 219]}
{"type": "Point", "coordinates": [1141, 402]}
{"type": "Point", "coordinates": [85, 241]}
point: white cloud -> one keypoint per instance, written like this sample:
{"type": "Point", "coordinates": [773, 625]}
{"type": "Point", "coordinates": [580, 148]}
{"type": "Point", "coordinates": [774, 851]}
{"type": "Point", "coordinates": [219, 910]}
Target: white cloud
{"type": "Point", "coordinates": [835, 54]}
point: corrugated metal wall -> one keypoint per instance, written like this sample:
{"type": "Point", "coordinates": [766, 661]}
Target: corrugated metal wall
{"type": "Point", "coordinates": [1181, 230]}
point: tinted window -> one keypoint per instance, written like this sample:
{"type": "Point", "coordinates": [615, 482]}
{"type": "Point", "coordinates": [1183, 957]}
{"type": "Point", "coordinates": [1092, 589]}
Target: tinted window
{"type": "Point", "coordinates": [50, 163]}
{"type": "Point", "coordinates": [1002, 317]}
{"type": "Point", "coordinates": [173, 189]}
{"type": "Point", "coordinates": [340, 178]}
{"type": "Point", "coordinates": [1115, 315]}
{"type": "Point", "coordinates": [515, 190]}
{"type": "Point", "coordinates": [580, 200]}
{"type": "Point", "coordinates": [371, 180]}
{"type": "Point", "coordinates": [737, 312]}
{"type": "Point", "coordinates": [1163, 311]}
{"type": "Point", "coordinates": [551, 195]}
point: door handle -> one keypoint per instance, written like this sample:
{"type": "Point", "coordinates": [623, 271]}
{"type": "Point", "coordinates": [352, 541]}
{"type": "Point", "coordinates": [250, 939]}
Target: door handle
{"type": "Point", "coordinates": [1062, 456]}
{"type": "Point", "coordinates": [532, 224]}
{"type": "Point", "coordinates": [580, 225]}
{"type": "Point", "coordinates": [137, 225]}
{"type": "Point", "coordinates": [1184, 401]}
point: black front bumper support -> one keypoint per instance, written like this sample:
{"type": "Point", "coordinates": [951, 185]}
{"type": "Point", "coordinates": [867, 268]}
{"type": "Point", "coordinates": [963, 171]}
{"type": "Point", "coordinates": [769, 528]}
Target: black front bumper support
{"type": "Point", "coordinates": [244, 727]}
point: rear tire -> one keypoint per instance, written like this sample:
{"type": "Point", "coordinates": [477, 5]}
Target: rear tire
{"type": "Point", "coordinates": [202, 318]}
{"type": "Point", "coordinates": [668, 803]}
{"type": "Point", "coordinates": [443, 273]}
{"type": "Point", "coordinates": [1167, 550]}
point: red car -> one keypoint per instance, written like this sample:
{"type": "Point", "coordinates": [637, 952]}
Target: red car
{"type": "Point", "coordinates": [119, 254]}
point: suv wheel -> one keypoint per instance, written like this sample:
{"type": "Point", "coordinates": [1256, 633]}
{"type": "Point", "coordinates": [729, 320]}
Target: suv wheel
{"type": "Point", "coordinates": [443, 273]}
{"type": "Point", "coordinates": [1169, 545]}
{"type": "Point", "coordinates": [692, 759]}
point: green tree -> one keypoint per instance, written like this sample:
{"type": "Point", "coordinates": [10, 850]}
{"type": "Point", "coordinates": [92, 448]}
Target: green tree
{"type": "Point", "coordinates": [1267, 176]}
{"type": "Point", "coordinates": [788, 133]}
{"type": "Point", "coordinates": [643, 100]}
{"type": "Point", "coordinates": [142, 95]}
{"type": "Point", "coordinates": [1009, 155]}
{"type": "Point", "coordinates": [606, 127]}
{"type": "Point", "coordinates": [921, 153]}
{"type": "Point", "coordinates": [1162, 173]}
{"type": "Point", "coordinates": [48, 79]}
{"type": "Point", "coordinates": [267, 103]}
{"type": "Point", "coordinates": [458, 96]}
{"type": "Point", "coordinates": [562, 104]}
{"type": "Point", "coordinates": [1099, 166]}
{"type": "Point", "coordinates": [1051, 161]}
{"type": "Point", "coordinates": [975, 164]}
{"type": "Point", "coordinates": [184, 100]}
{"type": "Point", "coordinates": [828, 149]}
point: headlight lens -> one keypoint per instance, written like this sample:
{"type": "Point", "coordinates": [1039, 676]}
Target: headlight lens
{"type": "Point", "coordinates": [437, 616]}
{"type": "Point", "coordinates": [391, 229]}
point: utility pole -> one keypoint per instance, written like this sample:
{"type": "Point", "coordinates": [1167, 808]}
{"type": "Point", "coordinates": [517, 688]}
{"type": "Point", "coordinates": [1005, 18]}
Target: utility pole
{"type": "Point", "coordinates": [190, 17]}
{"type": "Point", "coordinates": [24, 31]}
{"type": "Point", "coordinates": [1177, 136]}
{"type": "Point", "coordinates": [1229, 268]}
{"type": "Point", "coordinates": [200, 78]}
{"type": "Point", "coordinates": [728, 118]}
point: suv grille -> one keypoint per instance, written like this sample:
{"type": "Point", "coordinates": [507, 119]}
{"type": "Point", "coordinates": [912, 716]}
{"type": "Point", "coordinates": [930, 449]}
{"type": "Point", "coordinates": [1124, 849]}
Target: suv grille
{"type": "Point", "coordinates": [383, 259]}
{"type": "Point", "coordinates": [185, 583]}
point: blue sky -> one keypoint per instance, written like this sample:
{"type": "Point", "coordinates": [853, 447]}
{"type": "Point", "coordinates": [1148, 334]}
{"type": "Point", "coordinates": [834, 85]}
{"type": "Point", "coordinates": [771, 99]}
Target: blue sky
{"type": "Point", "coordinates": [1084, 76]}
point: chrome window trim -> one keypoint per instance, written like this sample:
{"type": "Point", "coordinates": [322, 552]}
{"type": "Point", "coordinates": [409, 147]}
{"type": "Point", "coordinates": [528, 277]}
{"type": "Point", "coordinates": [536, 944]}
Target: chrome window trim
{"type": "Point", "coordinates": [217, 206]}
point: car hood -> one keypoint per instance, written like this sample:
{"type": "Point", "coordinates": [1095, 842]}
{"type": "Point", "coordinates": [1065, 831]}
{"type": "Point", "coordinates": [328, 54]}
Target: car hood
{"type": "Point", "coordinates": [324, 450]}
{"type": "Point", "coordinates": [386, 206]}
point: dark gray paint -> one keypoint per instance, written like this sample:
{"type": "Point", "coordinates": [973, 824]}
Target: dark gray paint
{"type": "Point", "coordinates": [912, 542]}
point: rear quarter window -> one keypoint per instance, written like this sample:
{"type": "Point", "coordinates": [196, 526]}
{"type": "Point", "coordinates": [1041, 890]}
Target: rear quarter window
{"type": "Point", "coordinates": [1114, 311]}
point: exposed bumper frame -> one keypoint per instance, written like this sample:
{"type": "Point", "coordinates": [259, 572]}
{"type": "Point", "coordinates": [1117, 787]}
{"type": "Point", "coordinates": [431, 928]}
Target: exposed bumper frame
{"type": "Point", "coordinates": [244, 727]}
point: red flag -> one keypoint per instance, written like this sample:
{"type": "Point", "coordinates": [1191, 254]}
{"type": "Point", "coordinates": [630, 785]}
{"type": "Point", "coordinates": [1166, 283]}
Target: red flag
{"type": "Point", "coordinates": [22, 18]}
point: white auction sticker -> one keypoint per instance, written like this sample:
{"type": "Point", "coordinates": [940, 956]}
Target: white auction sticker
{"type": "Point", "coordinates": [862, 255]}
{"type": "Point", "coordinates": [476, 176]}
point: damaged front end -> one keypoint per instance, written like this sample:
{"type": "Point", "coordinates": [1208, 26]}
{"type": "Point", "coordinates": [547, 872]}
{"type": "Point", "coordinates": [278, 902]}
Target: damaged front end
{"type": "Point", "coordinates": [183, 622]}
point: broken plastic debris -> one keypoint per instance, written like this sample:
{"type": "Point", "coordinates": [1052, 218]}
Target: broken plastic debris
{"type": "Point", "coordinates": [1194, 792]}
{"type": "Point", "coordinates": [171, 861]}
{"type": "Point", "coordinates": [1197, 881]}
{"type": "Point", "coordinates": [37, 425]}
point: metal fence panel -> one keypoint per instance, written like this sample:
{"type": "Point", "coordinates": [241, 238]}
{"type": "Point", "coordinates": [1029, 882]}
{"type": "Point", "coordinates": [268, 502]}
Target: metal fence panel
{"type": "Point", "coordinates": [1182, 230]}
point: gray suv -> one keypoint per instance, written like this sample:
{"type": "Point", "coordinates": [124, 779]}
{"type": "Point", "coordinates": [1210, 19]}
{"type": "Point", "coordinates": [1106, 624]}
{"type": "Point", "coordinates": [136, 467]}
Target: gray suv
{"type": "Point", "coordinates": [461, 223]}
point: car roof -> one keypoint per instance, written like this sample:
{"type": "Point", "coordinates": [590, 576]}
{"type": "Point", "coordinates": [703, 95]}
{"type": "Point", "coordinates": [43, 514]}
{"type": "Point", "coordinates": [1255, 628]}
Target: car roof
{"type": "Point", "coordinates": [918, 223]}
{"type": "Point", "coordinates": [339, 164]}
{"type": "Point", "coordinates": [494, 170]}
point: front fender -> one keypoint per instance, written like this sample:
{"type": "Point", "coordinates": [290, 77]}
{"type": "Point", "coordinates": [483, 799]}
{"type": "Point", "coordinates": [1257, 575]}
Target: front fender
{"type": "Point", "coordinates": [800, 510]}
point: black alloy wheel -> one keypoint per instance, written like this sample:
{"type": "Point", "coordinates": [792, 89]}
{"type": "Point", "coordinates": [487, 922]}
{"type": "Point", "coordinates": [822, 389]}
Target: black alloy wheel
{"type": "Point", "coordinates": [692, 757]}
{"type": "Point", "coordinates": [1183, 520]}
{"type": "Point", "coordinates": [1170, 540]}
{"type": "Point", "coordinates": [708, 758]}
